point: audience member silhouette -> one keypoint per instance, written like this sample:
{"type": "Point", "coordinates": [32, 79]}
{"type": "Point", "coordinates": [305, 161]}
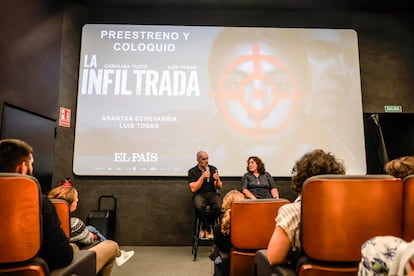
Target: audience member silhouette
{"type": "Point", "coordinates": [16, 156]}
{"type": "Point", "coordinates": [88, 236]}
{"type": "Point", "coordinates": [284, 245]}
{"type": "Point", "coordinates": [222, 240]}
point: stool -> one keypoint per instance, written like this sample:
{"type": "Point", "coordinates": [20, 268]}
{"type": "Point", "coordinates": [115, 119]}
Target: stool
{"type": "Point", "coordinates": [196, 233]}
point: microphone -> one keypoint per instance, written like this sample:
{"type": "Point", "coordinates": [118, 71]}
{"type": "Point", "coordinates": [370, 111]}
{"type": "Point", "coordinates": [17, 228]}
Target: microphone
{"type": "Point", "coordinates": [208, 170]}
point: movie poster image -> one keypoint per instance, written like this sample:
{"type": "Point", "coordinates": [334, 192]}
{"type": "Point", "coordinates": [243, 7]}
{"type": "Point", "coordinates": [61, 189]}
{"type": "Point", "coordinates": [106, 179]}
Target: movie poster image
{"type": "Point", "coordinates": [149, 97]}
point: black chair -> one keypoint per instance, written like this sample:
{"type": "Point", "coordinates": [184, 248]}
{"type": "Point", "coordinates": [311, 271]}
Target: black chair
{"type": "Point", "coordinates": [197, 228]}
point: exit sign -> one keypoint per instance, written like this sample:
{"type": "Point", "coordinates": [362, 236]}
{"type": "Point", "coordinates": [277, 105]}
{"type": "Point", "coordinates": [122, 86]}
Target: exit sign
{"type": "Point", "coordinates": [393, 108]}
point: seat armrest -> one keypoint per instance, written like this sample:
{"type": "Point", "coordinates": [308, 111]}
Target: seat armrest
{"type": "Point", "coordinates": [262, 266]}
{"type": "Point", "coordinates": [83, 263]}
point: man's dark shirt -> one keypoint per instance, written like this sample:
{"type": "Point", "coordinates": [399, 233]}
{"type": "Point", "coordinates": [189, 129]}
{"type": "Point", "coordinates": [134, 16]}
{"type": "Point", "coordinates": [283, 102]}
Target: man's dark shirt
{"type": "Point", "coordinates": [55, 249]}
{"type": "Point", "coordinates": [195, 173]}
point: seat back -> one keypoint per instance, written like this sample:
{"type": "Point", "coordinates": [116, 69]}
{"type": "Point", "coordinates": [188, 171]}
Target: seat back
{"type": "Point", "coordinates": [408, 202]}
{"type": "Point", "coordinates": [63, 211]}
{"type": "Point", "coordinates": [340, 213]}
{"type": "Point", "coordinates": [20, 213]}
{"type": "Point", "coordinates": [252, 225]}
{"type": "Point", "coordinates": [21, 233]}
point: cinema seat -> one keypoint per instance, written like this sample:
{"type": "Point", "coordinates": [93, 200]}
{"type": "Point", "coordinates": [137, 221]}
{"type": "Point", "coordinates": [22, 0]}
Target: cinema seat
{"type": "Point", "coordinates": [408, 205]}
{"type": "Point", "coordinates": [21, 233]}
{"type": "Point", "coordinates": [340, 213]}
{"type": "Point", "coordinates": [63, 211]}
{"type": "Point", "coordinates": [252, 225]}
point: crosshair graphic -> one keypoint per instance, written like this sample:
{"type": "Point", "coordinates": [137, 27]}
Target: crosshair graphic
{"type": "Point", "coordinates": [261, 101]}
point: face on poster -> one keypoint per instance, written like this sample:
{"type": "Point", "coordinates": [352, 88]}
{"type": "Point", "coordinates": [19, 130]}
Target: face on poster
{"type": "Point", "coordinates": [150, 97]}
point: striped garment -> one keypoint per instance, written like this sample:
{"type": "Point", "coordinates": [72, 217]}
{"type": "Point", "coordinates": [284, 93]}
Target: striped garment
{"type": "Point", "coordinates": [79, 234]}
{"type": "Point", "coordinates": [288, 218]}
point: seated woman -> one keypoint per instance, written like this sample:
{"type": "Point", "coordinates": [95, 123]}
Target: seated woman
{"type": "Point", "coordinates": [285, 244]}
{"type": "Point", "coordinates": [222, 241]}
{"type": "Point", "coordinates": [256, 182]}
{"type": "Point", "coordinates": [107, 251]}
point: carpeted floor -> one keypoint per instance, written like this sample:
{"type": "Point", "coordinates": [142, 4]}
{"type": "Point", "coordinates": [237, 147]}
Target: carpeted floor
{"type": "Point", "coordinates": [166, 260]}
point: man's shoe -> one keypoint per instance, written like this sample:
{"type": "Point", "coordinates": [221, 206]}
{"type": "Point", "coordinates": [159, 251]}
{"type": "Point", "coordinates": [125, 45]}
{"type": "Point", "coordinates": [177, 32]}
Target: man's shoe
{"type": "Point", "coordinates": [125, 256]}
{"type": "Point", "coordinates": [209, 235]}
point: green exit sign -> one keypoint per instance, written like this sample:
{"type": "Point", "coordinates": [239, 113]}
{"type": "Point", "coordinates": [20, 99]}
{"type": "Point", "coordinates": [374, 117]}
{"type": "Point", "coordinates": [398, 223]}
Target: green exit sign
{"type": "Point", "coordinates": [393, 108]}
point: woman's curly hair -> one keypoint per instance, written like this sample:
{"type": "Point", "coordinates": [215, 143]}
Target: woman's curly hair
{"type": "Point", "coordinates": [314, 163]}
{"type": "Point", "coordinates": [260, 165]}
{"type": "Point", "coordinates": [400, 167]}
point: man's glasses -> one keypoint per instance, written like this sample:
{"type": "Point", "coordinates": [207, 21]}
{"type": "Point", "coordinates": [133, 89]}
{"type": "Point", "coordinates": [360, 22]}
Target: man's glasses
{"type": "Point", "coordinates": [204, 159]}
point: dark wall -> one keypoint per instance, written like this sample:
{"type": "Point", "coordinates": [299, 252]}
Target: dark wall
{"type": "Point", "coordinates": [30, 55]}
{"type": "Point", "coordinates": [157, 211]}
{"type": "Point", "coordinates": [30, 43]}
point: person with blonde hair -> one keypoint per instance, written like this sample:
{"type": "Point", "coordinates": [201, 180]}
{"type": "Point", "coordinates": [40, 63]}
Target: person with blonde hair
{"type": "Point", "coordinates": [222, 240]}
{"type": "Point", "coordinates": [87, 237]}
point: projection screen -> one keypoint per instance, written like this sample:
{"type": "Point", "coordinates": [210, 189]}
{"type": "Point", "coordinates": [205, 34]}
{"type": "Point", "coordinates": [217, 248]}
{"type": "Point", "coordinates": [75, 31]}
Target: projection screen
{"type": "Point", "coordinates": [149, 97]}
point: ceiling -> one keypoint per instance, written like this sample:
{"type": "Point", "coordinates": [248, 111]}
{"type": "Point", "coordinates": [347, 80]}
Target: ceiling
{"type": "Point", "coordinates": [287, 5]}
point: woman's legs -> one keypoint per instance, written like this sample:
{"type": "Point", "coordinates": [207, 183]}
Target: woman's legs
{"type": "Point", "coordinates": [106, 251]}
{"type": "Point", "coordinates": [96, 231]}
